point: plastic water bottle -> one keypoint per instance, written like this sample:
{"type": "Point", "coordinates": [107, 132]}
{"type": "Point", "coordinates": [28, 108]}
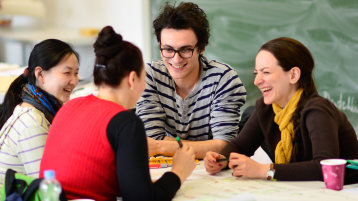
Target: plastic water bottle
{"type": "Point", "coordinates": [50, 188]}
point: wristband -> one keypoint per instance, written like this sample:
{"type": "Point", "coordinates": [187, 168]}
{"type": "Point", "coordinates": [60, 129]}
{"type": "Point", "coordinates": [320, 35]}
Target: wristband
{"type": "Point", "coordinates": [270, 173]}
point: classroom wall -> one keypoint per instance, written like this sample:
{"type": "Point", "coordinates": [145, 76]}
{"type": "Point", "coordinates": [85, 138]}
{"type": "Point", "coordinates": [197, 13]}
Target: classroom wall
{"type": "Point", "coordinates": [127, 17]}
{"type": "Point", "coordinates": [329, 28]}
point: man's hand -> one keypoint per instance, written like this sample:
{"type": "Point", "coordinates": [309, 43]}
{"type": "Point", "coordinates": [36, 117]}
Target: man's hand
{"type": "Point", "coordinates": [168, 146]}
{"type": "Point", "coordinates": [152, 146]}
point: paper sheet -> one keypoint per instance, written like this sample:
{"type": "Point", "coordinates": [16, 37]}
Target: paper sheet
{"type": "Point", "coordinates": [201, 186]}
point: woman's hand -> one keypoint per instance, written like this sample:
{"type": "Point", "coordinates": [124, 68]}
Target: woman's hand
{"type": "Point", "coordinates": [211, 165]}
{"type": "Point", "coordinates": [184, 162]}
{"type": "Point", "coordinates": [245, 166]}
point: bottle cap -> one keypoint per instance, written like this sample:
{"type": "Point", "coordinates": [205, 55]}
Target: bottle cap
{"type": "Point", "coordinates": [49, 174]}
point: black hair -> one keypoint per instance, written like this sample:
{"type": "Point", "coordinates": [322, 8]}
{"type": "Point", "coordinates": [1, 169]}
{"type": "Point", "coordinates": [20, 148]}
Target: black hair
{"type": "Point", "coordinates": [115, 58]}
{"type": "Point", "coordinates": [185, 16]}
{"type": "Point", "coordinates": [46, 54]}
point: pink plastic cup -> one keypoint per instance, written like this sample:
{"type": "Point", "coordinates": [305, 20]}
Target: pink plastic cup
{"type": "Point", "coordinates": [333, 173]}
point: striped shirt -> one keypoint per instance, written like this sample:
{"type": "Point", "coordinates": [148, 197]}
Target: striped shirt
{"type": "Point", "coordinates": [210, 111]}
{"type": "Point", "coordinates": [22, 140]}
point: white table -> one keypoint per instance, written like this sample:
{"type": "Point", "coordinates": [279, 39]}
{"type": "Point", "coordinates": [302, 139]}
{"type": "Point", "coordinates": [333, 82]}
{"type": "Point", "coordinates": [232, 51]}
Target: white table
{"type": "Point", "coordinates": [201, 186]}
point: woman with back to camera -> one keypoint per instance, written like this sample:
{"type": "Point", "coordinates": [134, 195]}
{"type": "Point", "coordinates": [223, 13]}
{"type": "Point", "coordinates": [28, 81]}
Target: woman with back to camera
{"type": "Point", "coordinates": [97, 146]}
{"type": "Point", "coordinates": [300, 127]}
{"type": "Point", "coordinates": [31, 102]}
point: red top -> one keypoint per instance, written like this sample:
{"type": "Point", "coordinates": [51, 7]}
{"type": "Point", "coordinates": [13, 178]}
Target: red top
{"type": "Point", "coordinates": [87, 131]}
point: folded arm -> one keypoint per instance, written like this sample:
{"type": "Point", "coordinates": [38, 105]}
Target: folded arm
{"type": "Point", "coordinates": [168, 146]}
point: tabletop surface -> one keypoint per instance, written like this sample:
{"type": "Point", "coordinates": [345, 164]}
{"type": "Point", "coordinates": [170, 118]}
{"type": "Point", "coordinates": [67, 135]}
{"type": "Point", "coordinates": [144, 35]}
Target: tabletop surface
{"type": "Point", "coordinates": [223, 186]}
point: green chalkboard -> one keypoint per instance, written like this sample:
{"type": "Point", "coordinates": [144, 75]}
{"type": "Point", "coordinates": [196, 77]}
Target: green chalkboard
{"type": "Point", "coordinates": [329, 28]}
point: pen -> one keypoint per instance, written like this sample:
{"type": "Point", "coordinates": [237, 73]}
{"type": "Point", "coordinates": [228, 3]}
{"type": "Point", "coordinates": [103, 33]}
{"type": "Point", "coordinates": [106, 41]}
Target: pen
{"type": "Point", "coordinates": [222, 159]}
{"type": "Point", "coordinates": [353, 164]}
{"type": "Point", "coordinates": [179, 142]}
{"type": "Point", "coordinates": [225, 159]}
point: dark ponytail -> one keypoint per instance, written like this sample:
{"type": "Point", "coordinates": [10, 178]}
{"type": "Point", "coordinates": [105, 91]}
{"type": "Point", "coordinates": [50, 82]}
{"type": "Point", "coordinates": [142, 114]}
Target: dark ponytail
{"type": "Point", "coordinates": [45, 54]}
{"type": "Point", "coordinates": [12, 98]}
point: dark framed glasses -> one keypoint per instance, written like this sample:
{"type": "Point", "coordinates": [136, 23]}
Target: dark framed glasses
{"type": "Point", "coordinates": [184, 53]}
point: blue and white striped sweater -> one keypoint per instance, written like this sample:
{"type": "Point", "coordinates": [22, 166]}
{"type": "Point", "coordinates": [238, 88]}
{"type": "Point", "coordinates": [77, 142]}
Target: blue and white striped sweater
{"type": "Point", "coordinates": [210, 111]}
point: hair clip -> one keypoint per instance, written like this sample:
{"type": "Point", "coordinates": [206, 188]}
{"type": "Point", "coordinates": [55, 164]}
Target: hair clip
{"type": "Point", "coordinates": [100, 65]}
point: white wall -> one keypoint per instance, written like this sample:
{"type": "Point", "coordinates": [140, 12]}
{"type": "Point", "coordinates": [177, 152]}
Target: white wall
{"type": "Point", "coordinates": [130, 18]}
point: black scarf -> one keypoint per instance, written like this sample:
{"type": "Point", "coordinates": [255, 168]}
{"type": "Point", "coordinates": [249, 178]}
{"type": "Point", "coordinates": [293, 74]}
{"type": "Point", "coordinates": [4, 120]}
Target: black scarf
{"type": "Point", "coordinates": [41, 100]}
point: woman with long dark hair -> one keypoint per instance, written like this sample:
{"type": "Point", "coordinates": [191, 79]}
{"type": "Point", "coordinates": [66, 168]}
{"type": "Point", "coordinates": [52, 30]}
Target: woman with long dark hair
{"type": "Point", "coordinates": [300, 127]}
{"type": "Point", "coordinates": [31, 103]}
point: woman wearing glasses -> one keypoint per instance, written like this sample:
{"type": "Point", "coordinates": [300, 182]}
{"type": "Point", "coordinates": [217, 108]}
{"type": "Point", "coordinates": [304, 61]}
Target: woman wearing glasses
{"type": "Point", "coordinates": [300, 127]}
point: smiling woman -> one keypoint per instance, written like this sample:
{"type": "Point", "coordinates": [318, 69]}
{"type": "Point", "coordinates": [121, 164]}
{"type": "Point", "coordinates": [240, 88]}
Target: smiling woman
{"type": "Point", "coordinates": [31, 103]}
{"type": "Point", "coordinates": [300, 127]}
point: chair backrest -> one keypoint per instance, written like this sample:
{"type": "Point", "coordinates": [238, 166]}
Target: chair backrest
{"type": "Point", "coordinates": [245, 116]}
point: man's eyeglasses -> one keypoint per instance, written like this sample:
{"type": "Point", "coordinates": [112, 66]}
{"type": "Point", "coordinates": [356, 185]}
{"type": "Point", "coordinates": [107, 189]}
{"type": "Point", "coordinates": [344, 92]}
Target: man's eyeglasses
{"type": "Point", "coordinates": [184, 53]}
